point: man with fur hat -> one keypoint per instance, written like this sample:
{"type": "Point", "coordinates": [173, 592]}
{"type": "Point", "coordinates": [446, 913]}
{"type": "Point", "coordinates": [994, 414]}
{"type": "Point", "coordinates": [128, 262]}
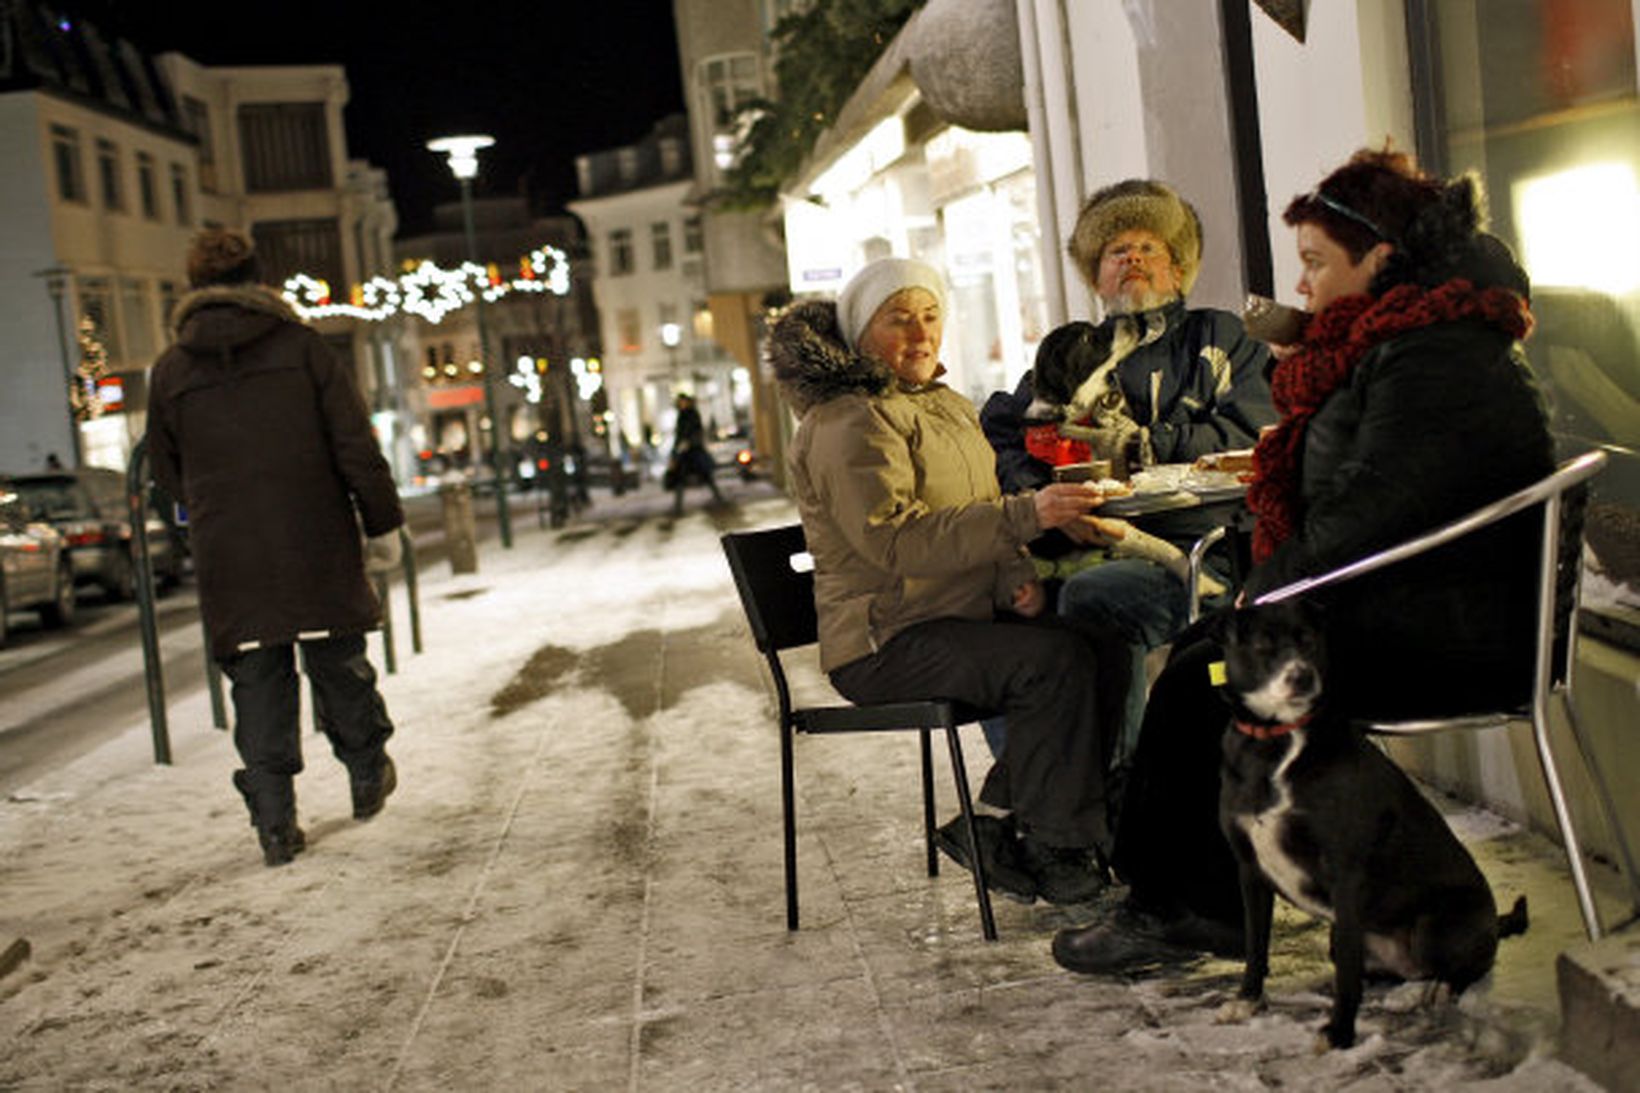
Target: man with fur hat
{"type": "Point", "coordinates": [261, 433]}
{"type": "Point", "coordinates": [1153, 382]}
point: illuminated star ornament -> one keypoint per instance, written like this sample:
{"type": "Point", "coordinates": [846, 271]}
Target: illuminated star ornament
{"type": "Point", "coordinates": [428, 291]}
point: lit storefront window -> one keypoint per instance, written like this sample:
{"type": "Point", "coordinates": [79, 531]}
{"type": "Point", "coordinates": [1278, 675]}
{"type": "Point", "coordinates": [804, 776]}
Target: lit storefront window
{"type": "Point", "coordinates": [1539, 98]}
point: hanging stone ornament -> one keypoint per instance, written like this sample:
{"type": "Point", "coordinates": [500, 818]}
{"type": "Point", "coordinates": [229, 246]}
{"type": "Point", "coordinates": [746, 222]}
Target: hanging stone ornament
{"type": "Point", "coordinates": [1288, 15]}
{"type": "Point", "coordinates": [84, 392]}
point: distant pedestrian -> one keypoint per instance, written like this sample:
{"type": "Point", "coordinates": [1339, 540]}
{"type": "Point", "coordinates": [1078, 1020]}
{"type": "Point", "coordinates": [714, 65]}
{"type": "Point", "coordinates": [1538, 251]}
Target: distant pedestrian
{"type": "Point", "coordinates": [261, 433]}
{"type": "Point", "coordinates": [690, 456]}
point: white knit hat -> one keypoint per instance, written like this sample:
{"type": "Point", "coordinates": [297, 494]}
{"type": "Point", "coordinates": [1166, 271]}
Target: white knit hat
{"type": "Point", "coordinates": [869, 289]}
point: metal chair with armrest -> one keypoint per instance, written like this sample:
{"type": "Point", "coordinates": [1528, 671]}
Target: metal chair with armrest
{"type": "Point", "coordinates": [1563, 496]}
{"type": "Point", "coordinates": [778, 597]}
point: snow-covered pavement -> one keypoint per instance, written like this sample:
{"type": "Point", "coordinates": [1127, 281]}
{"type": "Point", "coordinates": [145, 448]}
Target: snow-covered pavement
{"type": "Point", "coordinates": [578, 886]}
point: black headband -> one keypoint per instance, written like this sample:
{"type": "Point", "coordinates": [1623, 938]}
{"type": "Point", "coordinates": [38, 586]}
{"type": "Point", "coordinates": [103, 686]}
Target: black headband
{"type": "Point", "coordinates": [1350, 214]}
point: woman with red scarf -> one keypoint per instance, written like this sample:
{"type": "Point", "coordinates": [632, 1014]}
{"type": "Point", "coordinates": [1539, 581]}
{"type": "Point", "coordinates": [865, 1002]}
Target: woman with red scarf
{"type": "Point", "coordinates": [1407, 403]}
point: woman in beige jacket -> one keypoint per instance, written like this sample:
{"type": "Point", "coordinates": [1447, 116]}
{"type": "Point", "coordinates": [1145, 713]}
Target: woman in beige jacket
{"type": "Point", "coordinates": [922, 585]}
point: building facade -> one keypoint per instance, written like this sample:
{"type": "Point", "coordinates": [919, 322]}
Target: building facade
{"type": "Point", "coordinates": [724, 55]}
{"type": "Point", "coordinates": [1241, 106]}
{"type": "Point", "coordinates": [544, 345]}
{"type": "Point", "coordinates": [114, 159]}
{"type": "Point", "coordinates": [648, 247]}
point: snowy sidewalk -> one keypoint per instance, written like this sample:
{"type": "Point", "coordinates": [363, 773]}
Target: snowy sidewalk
{"type": "Point", "coordinates": [577, 886]}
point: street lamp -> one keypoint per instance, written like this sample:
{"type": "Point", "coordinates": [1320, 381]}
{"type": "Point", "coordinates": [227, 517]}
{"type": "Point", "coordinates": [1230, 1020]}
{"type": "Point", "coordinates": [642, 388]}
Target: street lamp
{"type": "Point", "coordinates": [463, 153]}
{"type": "Point", "coordinates": [671, 335]}
{"type": "Point", "coordinates": [56, 284]}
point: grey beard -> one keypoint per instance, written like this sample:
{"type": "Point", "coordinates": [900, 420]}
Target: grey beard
{"type": "Point", "coordinates": [1149, 300]}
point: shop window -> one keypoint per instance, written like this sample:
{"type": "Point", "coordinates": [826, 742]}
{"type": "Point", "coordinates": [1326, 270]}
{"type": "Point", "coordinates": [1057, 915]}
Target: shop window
{"type": "Point", "coordinates": [168, 297]}
{"type": "Point", "coordinates": [97, 304]}
{"type": "Point", "coordinates": [628, 330]}
{"type": "Point", "coordinates": [65, 154]}
{"type": "Point", "coordinates": [285, 146]}
{"type": "Point", "coordinates": [1539, 98]}
{"type": "Point", "coordinates": [660, 238]}
{"type": "Point", "coordinates": [196, 118]}
{"type": "Point", "coordinates": [287, 247]}
{"type": "Point", "coordinates": [147, 188]}
{"type": "Point", "coordinates": [726, 85]}
{"type": "Point", "coordinates": [108, 175]}
{"type": "Point", "coordinates": [139, 320]}
{"type": "Point", "coordinates": [620, 252]}
{"type": "Point", "coordinates": [179, 195]}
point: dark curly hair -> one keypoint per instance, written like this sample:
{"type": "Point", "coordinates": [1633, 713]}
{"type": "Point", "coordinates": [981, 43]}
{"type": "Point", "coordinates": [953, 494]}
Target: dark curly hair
{"type": "Point", "coordinates": [1381, 196]}
{"type": "Point", "coordinates": [222, 256]}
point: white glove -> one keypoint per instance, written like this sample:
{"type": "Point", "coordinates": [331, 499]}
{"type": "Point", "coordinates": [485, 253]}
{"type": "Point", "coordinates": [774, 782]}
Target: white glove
{"type": "Point", "coordinates": [382, 552]}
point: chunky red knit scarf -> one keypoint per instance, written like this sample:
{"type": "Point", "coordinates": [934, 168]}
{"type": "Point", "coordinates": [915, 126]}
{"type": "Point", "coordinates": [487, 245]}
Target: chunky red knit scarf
{"type": "Point", "coordinates": [1334, 344]}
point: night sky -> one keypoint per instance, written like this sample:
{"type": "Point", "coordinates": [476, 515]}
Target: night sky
{"type": "Point", "coordinates": [549, 79]}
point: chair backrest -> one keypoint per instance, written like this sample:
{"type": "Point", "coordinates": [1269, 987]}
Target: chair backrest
{"type": "Point", "coordinates": [1564, 497]}
{"type": "Point", "coordinates": [777, 596]}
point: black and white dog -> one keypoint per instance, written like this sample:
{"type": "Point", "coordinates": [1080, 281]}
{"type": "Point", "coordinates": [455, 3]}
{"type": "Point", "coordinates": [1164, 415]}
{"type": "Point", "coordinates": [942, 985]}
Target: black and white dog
{"type": "Point", "coordinates": [1317, 813]}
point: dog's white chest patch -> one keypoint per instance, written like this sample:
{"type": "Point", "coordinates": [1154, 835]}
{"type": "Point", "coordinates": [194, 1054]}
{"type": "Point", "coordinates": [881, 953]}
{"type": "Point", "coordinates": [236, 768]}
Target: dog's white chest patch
{"type": "Point", "coordinates": [1265, 830]}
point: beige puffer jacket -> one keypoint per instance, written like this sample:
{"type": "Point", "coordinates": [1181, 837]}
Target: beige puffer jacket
{"type": "Point", "coordinates": [897, 491]}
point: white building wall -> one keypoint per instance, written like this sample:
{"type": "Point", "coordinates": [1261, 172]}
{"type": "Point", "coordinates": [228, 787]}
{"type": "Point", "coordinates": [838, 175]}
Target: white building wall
{"type": "Point", "coordinates": [641, 382]}
{"type": "Point", "coordinates": [31, 370]}
{"type": "Point", "coordinates": [1345, 87]}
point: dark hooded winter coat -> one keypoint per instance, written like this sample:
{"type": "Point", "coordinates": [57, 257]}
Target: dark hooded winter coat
{"type": "Point", "coordinates": [262, 434]}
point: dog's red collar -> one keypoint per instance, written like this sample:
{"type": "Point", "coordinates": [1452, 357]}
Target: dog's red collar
{"type": "Point", "coordinates": [1268, 732]}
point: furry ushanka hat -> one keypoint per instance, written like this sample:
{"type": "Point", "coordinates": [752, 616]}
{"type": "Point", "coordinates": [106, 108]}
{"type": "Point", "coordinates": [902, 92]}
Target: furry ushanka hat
{"type": "Point", "coordinates": [1138, 203]}
{"type": "Point", "coordinates": [221, 256]}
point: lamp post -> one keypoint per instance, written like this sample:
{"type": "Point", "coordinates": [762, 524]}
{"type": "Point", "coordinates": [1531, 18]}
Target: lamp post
{"type": "Point", "coordinates": [56, 284]}
{"type": "Point", "coordinates": [463, 153]}
{"type": "Point", "coordinates": [671, 335]}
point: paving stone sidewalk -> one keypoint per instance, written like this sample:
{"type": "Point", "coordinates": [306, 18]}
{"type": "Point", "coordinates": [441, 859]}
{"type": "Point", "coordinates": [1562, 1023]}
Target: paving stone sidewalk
{"type": "Point", "coordinates": [577, 886]}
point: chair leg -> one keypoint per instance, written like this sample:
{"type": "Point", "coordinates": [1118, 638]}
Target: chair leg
{"type": "Point", "coordinates": [987, 921]}
{"type": "Point", "coordinates": [1603, 794]}
{"type": "Point", "coordinates": [1563, 817]}
{"type": "Point", "coordinates": [788, 809]}
{"type": "Point", "coordinates": [928, 801]}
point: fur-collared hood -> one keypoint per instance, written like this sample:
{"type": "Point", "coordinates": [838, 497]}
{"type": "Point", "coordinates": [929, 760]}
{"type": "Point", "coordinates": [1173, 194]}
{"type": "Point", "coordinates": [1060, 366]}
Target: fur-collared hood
{"type": "Point", "coordinates": [220, 317]}
{"type": "Point", "coordinates": [812, 362]}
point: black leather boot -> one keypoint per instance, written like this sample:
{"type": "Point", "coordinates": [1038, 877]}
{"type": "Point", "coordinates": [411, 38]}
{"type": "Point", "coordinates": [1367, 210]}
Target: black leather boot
{"type": "Point", "coordinates": [371, 787]}
{"type": "Point", "coordinates": [272, 805]}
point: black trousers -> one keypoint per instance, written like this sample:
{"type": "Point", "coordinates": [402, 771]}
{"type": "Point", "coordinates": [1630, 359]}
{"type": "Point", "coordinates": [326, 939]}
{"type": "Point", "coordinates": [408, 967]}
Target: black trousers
{"type": "Point", "coordinates": [1061, 686]}
{"type": "Point", "coordinates": [1169, 847]}
{"type": "Point", "coordinates": [267, 703]}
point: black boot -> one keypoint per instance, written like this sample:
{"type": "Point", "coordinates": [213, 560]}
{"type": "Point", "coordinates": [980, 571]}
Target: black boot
{"type": "Point", "coordinates": [272, 805]}
{"type": "Point", "coordinates": [371, 786]}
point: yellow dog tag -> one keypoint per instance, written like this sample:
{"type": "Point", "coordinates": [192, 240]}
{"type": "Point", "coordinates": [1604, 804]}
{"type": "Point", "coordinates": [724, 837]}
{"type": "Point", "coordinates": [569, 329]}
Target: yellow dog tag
{"type": "Point", "coordinates": [1216, 675]}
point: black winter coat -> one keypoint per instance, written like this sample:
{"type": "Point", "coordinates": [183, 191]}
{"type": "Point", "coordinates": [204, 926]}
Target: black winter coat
{"type": "Point", "coordinates": [256, 427]}
{"type": "Point", "coordinates": [1431, 424]}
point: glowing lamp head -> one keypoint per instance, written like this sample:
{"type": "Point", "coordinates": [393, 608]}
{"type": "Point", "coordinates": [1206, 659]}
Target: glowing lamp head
{"type": "Point", "coordinates": [671, 334]}
{"type": "Point", "coordinates": [463, 152]}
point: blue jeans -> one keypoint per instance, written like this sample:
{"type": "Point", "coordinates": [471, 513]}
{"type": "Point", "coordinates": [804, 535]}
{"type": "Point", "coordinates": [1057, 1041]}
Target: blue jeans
{"type": "Point", "coordinates": [1144, 603]}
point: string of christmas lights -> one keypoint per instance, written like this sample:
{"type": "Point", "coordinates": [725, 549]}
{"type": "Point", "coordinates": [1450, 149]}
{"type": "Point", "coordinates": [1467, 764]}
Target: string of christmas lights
{"type": "Point", "coordinates": [428, 291]}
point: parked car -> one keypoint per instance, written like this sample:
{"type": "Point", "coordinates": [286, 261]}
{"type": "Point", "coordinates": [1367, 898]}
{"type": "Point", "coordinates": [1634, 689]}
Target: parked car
{"type": "Point", "coordinates": [35, 571]}
{"type": "Point", "coordinates": [88, 506]}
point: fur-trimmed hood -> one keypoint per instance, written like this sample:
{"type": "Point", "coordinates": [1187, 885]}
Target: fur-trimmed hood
{"type": "Point", "coordinates": [224, 317]}
{"type": "Point", "coordinates": [812, 363]}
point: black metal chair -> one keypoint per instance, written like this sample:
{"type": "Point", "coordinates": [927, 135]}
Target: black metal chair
{"type": "Point", "coordinates": [775, 580]}
{"type": "Point", "coordinates": [1562, 496]}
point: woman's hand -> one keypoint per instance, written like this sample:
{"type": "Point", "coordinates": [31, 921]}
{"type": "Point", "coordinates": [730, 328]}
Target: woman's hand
{"type": "Point", "coordinates": [1064, 503]}
{"type": "Point", "coordinates": [1030, 599]}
